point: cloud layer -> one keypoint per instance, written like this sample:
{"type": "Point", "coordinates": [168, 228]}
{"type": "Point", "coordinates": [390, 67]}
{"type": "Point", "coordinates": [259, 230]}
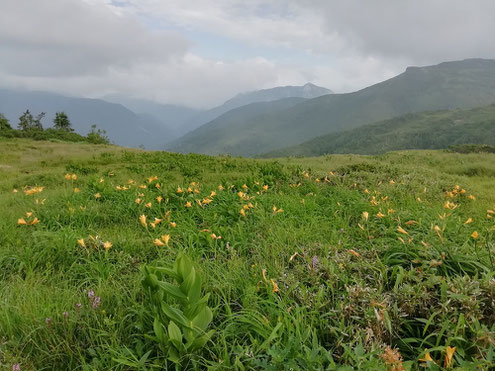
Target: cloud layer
{"type": "Point", "coordinates": [156, 50]}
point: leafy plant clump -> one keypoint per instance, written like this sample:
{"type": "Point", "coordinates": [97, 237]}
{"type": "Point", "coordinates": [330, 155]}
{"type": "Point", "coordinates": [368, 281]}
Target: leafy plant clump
{"type": "Point", "coordinates": [180, 313]}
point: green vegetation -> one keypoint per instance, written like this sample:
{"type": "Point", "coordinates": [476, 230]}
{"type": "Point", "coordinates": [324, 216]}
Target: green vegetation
{"type": "Point", "coordinates": [118, 259]}
{"type": "Point", "coordinates": [447, 86]}
{"type": "Point", "coordinates": [62, 122]}
{"type": "Point", "coordinates": [30, 127]}
{"type": "Point", "coordinates": [426, 130]}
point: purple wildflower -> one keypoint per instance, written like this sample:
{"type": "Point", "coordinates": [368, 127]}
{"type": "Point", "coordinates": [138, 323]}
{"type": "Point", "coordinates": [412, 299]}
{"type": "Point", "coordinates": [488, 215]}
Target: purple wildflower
{"type": "Point", "coordinates": [66, 315]}
{"type": "Point", "coordinates": [48, 320]}
{"type": "Point", "coordinates": [78, 306]}
{"type": "Point", "coordinates": [96, 302]}
{"type": "Point", "coordinates": [314, 261]}
{"type": "Point", "coordinates": [91, 294]}
{"type": "Point", "coordinates": [16, 367]}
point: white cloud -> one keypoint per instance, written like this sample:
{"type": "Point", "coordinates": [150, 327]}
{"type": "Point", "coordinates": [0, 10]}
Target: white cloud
{"type": "Point", "coordinates": [94, 47]}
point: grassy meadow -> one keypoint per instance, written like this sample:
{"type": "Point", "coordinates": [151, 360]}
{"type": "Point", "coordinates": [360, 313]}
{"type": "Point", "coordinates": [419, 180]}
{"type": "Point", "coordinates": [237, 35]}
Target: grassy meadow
{"type": "Point", "coordinates": [120, 259]}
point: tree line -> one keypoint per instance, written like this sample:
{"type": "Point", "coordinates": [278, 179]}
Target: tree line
{"type": "Point", "coordinates": [30, 126]}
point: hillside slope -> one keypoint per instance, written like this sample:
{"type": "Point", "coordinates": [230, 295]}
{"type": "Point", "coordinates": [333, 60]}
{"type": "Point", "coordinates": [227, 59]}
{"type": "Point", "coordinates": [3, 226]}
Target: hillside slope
{"type": "Point", "coordinates": [307, 91]}
{"type": "Point", "coordinates": [217, 130]}
{"type": "Point", "coordinates": [123, 126]}
{"type": "Point", "coordinates": [426, 130]}
{"type": "Point", "coordinates": [462, 84]}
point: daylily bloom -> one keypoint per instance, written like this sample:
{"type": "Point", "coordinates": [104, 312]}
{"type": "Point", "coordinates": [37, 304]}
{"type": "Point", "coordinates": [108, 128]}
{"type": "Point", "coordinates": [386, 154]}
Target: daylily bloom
{"type": "Point", "coordinates": [34, 221]}
{"type": "Point", "coordinates": [158, 242]}
{"type": "Point", "coordinates": [102, 180]}
{"type": "Point", "coordinates": [138, 200]}
{"type": "Point", "coordinates": [380, 215]}
{"type": "Point", "coordinates": [107, 245]}
{"type": "Point", "coordinates": [21, 221]}
{"type": "Point", "coordinates": [166, 238]}
{"type": "Point", "coordinates": [33, 190]}
{"type": "Point", "coordinates": [242, 212]}
{"type": "Point", "coordinates": [401, 230]}
{"type": "Point", "coordinates": [470, 220]}
{"type": "Point", "coordinates": [427, 358]}
{"type": "Point", "coordinates": [179, 190]}
{"type": "Point", "coordinates": [220, 187]}
{"type": "Point", "coordinates": [148, 205]}
{"type": "Point", "coordinates": [471, 197]}
{"type": "Point", "coordinates": [142, 219]}
{"type": "Point", "coordinates": [76, 190]}
{"type": "Point", "coordinates": [449, 353]}
{"type": "Point", "coordinates": [188, 204]}
{"type": "Point", "coordinates": [365, 215]}
{"type": "Point", "coordinates": [173, 224]}
{"type": "Point", "coordinates": [274, 285]}
{"type": "Point", "coordinates": [356, 254]}
{"type": "Point", "coordinates": [475, 235]}
{"type": "Point", "coordinates": [159, 199]}
{"type": "Point", "coordinates": [265, 187]}
{"type": "Point", "coordinates": [215, 237]}
{"type": "Point", "coordinates": [81, 242]}
{"type": "Point", "coordinates": [97, 195]}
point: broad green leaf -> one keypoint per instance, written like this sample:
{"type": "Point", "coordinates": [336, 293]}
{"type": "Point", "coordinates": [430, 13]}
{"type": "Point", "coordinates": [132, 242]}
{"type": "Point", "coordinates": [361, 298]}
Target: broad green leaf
{"type": "Point", "coordinates": [175, 315]}
{"type": "Point", "coordinates": [203, 319]}
{"type": "Point", "coordinates": [172, 290]}
{"type": "Point", "coordinates": [159, 331]}
{"type": "Point", "coordinates": [175, 335]}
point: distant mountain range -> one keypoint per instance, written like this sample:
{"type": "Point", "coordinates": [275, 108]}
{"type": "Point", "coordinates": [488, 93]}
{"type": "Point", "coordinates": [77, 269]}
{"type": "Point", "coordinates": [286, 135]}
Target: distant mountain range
{"type": "Point", "coordinates": [135, 122]}
{"type": "Point", "coordinates": [450, 85]}
{"type": "Point", "coordinates": [425, 130]}
{"type": "Point", "coordinates": [123, 126]}
{"type": "Point", "coordinates": [399, 113]}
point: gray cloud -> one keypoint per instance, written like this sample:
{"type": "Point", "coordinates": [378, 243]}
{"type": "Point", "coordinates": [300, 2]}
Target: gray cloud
{"type": "Point", "coordinates": [94, 47]}
{"type": "Point", "coordinates": [70, 37]}
{"type": "Point", "coordinates": [423, 31]}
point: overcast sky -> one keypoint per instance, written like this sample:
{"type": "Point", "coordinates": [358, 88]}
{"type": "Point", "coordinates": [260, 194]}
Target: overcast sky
{"type": "Point", "coordinates": [201, 52]}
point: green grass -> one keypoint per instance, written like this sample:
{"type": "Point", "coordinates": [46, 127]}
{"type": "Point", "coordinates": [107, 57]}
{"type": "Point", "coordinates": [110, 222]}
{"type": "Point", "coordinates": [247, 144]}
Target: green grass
{"type": "Point", "coordinates": [355, 288]}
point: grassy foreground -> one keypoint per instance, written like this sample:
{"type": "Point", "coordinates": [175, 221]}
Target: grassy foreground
{"type": "Point", "coordinates": [339, 262]}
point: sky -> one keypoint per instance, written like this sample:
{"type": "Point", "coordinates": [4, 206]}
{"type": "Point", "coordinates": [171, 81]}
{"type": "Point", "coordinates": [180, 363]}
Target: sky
{"type": "Point", "coordinates": [200, 53]}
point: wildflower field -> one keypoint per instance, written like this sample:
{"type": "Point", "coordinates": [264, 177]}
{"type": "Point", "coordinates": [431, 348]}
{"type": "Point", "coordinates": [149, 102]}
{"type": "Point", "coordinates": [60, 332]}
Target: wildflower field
{"type": "Point", "coordinates": [119, 259]}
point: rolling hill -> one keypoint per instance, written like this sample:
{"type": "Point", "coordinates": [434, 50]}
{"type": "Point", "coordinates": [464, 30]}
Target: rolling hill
{"type": "Point", "coordinates": [307, 91]}
{"type": "Point", "coordinates": [217, 130]}
{"type": "Point", "coordinates": [426, 130]}
{"type": "Point", "coordinates": [123, 126]}
{"type": "Point", "coordinates": [450, 85]}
